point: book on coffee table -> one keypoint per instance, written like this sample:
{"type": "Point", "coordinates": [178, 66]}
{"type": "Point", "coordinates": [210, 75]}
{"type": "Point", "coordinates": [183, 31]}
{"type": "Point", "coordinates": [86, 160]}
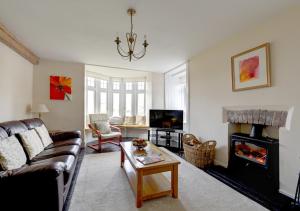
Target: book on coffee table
{"type": "Point", "coordinates": [150, 159]}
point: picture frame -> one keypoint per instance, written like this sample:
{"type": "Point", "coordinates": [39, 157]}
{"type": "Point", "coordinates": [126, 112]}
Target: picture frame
{"type": "Point", "coordinates": [251, 69]}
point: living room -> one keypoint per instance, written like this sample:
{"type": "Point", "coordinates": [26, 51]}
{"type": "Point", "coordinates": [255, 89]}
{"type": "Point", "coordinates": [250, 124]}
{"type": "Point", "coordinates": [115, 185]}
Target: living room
{"type": "Point", "coordinates": [192, 53]}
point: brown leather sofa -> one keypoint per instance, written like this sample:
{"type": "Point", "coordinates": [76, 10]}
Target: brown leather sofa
{"type": "Point", "coordinates": [44, 182]}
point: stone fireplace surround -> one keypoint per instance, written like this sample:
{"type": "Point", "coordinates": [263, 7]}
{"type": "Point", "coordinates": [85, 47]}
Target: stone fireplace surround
{"type": "Point", "coordinates": [276, 118]}
{"type": "Point", "coordinates": [258, 116]}
{"type": "Point", "coordinates": [269, 115]}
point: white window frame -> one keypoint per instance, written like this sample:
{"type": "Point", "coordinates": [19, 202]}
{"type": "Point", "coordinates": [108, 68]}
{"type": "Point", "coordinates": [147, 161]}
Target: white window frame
{"type": "Point", "coordinates": [122, 91]}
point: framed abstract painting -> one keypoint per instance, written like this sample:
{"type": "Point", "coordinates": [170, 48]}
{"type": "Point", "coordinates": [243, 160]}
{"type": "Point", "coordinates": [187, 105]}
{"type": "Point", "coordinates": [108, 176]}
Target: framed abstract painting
{"type": "Point", "coordinates": [60, 88]}
{"type": "Point", "coordinates": [251, 69]}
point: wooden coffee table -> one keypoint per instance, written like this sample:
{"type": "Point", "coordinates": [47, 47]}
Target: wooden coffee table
{"type": "Point", "coordinates": [147, 181]}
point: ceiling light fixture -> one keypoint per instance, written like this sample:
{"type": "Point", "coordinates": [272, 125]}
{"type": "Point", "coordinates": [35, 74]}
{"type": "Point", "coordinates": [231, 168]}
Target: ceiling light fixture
{"type": "Point", "coordinates": [131, 40]}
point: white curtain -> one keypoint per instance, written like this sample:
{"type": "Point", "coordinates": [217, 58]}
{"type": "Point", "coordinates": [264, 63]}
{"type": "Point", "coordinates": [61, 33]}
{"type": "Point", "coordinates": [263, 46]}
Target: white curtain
{"type": "Point", "coordinates": [175, 89]}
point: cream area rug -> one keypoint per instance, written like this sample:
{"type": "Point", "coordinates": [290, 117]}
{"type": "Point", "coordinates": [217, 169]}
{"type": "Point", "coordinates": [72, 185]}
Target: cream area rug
{"type": "Point", "coordinates": [102, 185]}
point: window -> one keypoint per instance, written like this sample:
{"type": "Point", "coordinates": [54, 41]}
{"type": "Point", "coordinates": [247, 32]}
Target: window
{"type": "Point", "coordinates": [141, 85]}
{"type": "Point", "coordinates": [91, 102]}
{"type": "Point", "coordinates": [116, 104]}
{"type": "Point", "coordinates": [141, 104]}
{"type": "Point", "coordinates": [116, 96]}
{"type": "Point", "coordinates": [176, 90]}
{"type": "Point", "coordinates": [128, 109]}
{"type": "Point", "coordinates": [103, 84]}
{"type": "Point", "coordinates": [116, 85]}
{"type": "Point", "coordinates": [128, 85]}
{"type": "Point", "coordinates": [91, 81]}
{"type": "Point", "coordinates": [103, 102]}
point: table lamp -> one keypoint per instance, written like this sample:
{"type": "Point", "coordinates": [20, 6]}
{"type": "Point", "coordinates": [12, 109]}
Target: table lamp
{"type": "Point", "coordinates": [39, 108]}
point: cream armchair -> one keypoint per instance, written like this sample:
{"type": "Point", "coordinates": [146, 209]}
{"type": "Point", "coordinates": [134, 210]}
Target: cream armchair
{"type": "Point", "coordinates": [102, 130]}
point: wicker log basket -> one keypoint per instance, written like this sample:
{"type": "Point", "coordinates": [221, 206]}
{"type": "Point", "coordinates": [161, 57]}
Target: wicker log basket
{"type": "Point", "coordinates": [200, 154]}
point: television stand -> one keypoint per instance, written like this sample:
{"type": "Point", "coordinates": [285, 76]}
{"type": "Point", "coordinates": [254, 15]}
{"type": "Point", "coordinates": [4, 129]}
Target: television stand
{"type": "Point", "coordinates": [168, 138]}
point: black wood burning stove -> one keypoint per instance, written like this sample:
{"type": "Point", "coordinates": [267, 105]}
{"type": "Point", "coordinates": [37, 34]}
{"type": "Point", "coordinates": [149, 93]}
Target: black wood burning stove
{"type": "Point", "coordinates": [255, 161]}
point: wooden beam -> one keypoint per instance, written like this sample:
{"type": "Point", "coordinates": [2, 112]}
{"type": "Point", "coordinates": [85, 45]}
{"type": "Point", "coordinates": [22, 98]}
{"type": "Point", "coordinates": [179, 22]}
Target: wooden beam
{"type": "Point", "coordinates": [8, 39]}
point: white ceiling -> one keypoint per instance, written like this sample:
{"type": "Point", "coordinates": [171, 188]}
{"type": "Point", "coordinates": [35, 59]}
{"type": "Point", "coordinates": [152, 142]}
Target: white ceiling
{"type": "Point", "coordinates": [84, 30]}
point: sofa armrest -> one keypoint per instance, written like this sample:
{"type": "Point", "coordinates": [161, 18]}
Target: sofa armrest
{"type": "Point", "coordinates": [42, 170]}
{"type": "Point", "coordinates": [60, 136]}
{"type": "Point", "coordinates": [35, 187]}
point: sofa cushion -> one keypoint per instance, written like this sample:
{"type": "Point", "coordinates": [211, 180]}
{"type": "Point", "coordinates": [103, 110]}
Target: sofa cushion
{"type": "Point", "coordinates": [13, 127]}
{"type": "Point", "coordinates": [31, 143]}
{"type": "Point", "coordinates": [32, 123]}
{"type": "Point", "coordinates": [103, 127]}
{"type": "Point", "coordinates": [44, 135]}
{"type": "Point", "coordinates": [57, 151]}
{"type": "Point", "coordinates": [12, 155]}
{"type": "Point", "coordinates": [73, 141]}
{"type": "Point", "coordinates": [61, 136]}
{"type": "Point", "coordinates": [68, 160]}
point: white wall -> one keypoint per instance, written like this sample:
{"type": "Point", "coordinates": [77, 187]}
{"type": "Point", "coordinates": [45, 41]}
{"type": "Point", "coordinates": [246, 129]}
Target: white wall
{"type": "Point", "coordinates": [63, 115]}
{"type": "Point", "coordinates": [16, 75]}
{"type": "Point", "coordinates": [210, 88]}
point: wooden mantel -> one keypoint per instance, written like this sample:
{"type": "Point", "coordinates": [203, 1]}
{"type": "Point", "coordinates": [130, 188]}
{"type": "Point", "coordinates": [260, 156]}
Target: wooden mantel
{"type": "Point", "coordinates": [8, 39]}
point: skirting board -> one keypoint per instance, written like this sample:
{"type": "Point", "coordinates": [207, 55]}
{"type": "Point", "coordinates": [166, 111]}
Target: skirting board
{"type": "Point", "coordinates": [286, 193]}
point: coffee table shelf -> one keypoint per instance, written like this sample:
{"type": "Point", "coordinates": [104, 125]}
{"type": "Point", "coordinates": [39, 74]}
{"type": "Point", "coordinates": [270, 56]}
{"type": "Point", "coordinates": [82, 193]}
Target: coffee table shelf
{"type": "Point", "coordinates": [154, 185]}
{"type": "Point", "coordinates": [149, 181]}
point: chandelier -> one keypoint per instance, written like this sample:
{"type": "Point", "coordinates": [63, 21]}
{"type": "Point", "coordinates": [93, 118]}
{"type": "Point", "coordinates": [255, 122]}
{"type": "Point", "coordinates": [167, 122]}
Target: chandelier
{"type": "Point", "coordinates": [131, 38]}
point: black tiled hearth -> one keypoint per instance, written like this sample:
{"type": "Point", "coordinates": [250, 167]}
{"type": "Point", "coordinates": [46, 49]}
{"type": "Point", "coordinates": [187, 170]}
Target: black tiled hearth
{"type": "Point", "coordinates": [276, 201]}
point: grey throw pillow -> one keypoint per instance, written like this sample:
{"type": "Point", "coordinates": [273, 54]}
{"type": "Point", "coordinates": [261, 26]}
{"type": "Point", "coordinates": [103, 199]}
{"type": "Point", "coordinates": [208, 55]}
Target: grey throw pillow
{"type": "Point", "coordinates": [12, 155]}
{"type": "Point", "coordinates": [44, 135]}
{"type": "Point", "coordinates": [32, 143]}
{"type": "Point", "coordinates": [103, 127]}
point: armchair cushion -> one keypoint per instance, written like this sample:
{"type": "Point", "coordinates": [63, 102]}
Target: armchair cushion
{"type": "Point", "coordinates": [111, 135]}
{"type": "Point", "coordinates": [103, 127]}
{"type": "Point", "coordinates": [44, 135]}
{"type": "Point", "coordinates": [12, 155]}
{"type": "Point", "coordinates": [32, 143]}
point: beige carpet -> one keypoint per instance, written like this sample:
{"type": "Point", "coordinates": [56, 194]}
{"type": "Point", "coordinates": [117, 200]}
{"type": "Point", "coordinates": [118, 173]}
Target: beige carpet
{"type": "Point", "coordinates": [102, 186]}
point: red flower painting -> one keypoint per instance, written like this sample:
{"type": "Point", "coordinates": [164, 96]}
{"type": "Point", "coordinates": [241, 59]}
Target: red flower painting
{"type": "Point", "coordinates": [249, 69]}
{"type": "Point", "coordinates": [60, 88]}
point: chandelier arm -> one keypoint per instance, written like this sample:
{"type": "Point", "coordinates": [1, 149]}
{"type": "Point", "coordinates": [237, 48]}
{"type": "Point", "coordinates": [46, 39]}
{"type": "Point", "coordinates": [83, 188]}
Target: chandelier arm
{"type": "Point", "coordinates": [143, 53]}
{"type": "Point", "coordinates": [118, 48]}
{"type": "Point", "coordinates": [123, 51]}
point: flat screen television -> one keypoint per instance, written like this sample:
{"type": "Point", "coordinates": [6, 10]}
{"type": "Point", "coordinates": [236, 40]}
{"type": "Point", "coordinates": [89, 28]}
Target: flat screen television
{"type": "Point", "coordinates": [166, 119]}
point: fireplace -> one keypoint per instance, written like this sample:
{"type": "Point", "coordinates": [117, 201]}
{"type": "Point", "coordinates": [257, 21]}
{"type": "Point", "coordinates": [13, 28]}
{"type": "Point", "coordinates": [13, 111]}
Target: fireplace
{"type": "Point", "coordinates": [255, 161]}
{"type": "Point", "coordinates": [251, 152]}
{"type": "Point", "coordinates": [253, 156]}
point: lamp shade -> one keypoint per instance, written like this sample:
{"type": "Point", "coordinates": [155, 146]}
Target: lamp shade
{"type": "Point", "coordinates": [39, 108]}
